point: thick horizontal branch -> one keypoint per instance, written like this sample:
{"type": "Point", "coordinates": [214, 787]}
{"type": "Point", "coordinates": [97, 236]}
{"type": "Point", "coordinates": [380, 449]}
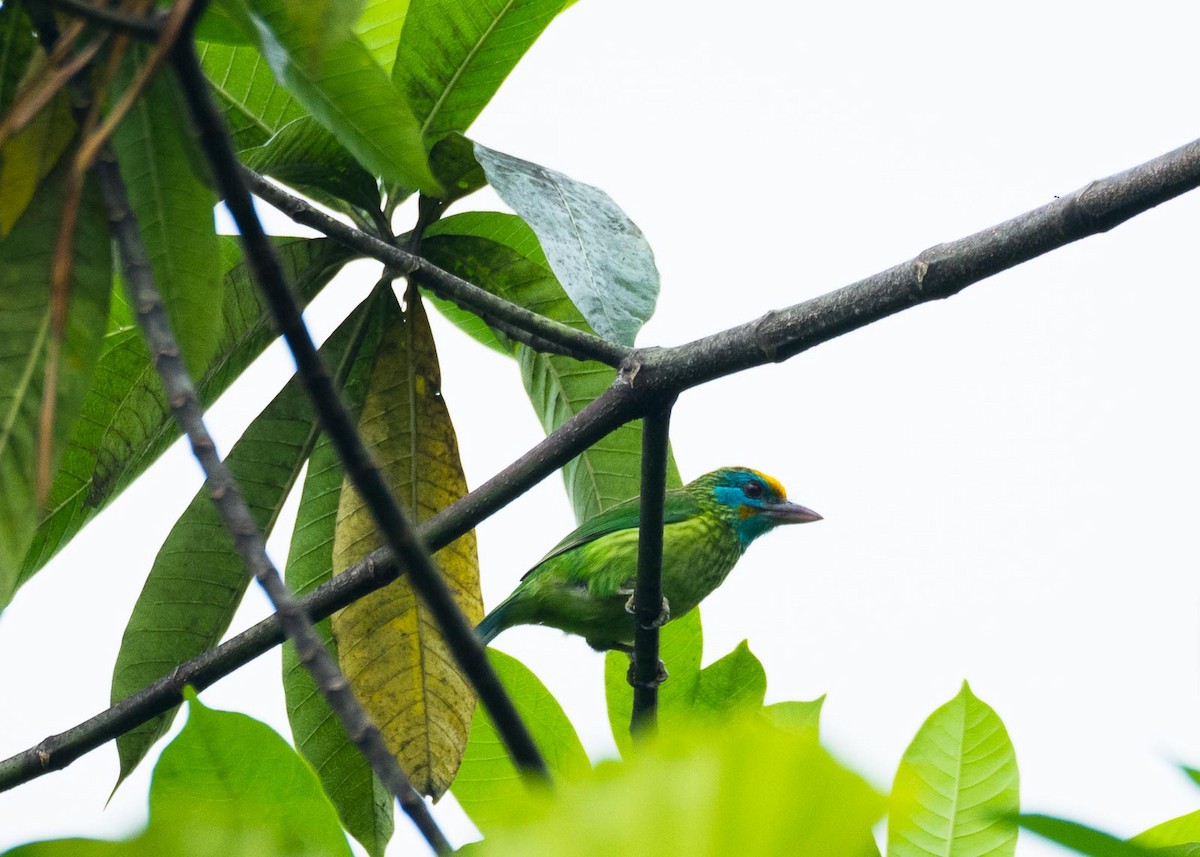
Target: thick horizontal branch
{"type": "Point", "coordinates": [650, 374]}
{"type": "Point", "coordinates": [939, 272]}
{"type": "Point", "coordinates": [542, 333]}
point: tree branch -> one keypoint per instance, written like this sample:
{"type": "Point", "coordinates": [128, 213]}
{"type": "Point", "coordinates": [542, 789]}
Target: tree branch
{"type": "Point", "coordinates": [458, 634]}
{"type": "Point", "coordinates": [138, 26]}
{"type": "Point", "coordinates": [938, 272]}
{"type": "Point", "coordinates": [523, 325]}
{"type": "Point", "coordinates": [648, 602]}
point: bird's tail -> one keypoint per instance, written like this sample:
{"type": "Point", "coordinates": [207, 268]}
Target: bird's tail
{"type": "Point", "coordinates": [493, 623]}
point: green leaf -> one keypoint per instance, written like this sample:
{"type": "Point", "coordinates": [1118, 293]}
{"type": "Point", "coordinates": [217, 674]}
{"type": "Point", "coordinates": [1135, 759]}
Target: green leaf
{"type": "Point", "coordinates": [227, 785]}
{"type": "Point", "coordinates": [1086, 840]}
{"type": "Point", "coordinates": [26, 258]}
{"type": "Point", "coordinates": [454, 54]}
{"type": "Point", "coordinates": [488, 783]}
{"type": "Point", "coordinates": [500, 253]}
{"type": "Point", "coordinates": [738, 787]}
{"type": "Point", "coordinates": [253, 105]}
{"type": "Point", "coordinates": [306, 156]}
{"type": "Point", "coordinates": [795, 714]}
{"type": "Point", "coordinates": [363, 804]}
{"type": "Point", "coordinates": [230, 778]}
{"type": "Point", "coordinates": [600, 256]}
{"type": "Point", "coordinates": [28, 156]}
{"type": "Point", "coordinates": [16, 50]}
{"type": "Point", "coordinates": [319, 23]}
{"type": "Point", "coordinates": [198, 579]}
{"type": "Point", "coordinates": [125, 423]}
{"type": "Point", "coordinates": [680, 648]}
{"type": "Point", "coordinates": [736, 682]}
{"type": "Point", "coordinates": [174, 211]}
{"type": "Point", "coordinates": [452, 160]}
{"type": "Point", "coordinates": [1184, 830]}
{"type": "Point", "coordinates": [956, 791]}
{"type": "Point", "coordinates": [379, 26]}
{"type": "Point", "coordinates": [346, 91]}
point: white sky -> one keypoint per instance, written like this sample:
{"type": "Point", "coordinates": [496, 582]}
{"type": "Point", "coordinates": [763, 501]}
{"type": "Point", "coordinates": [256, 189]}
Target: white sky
{"type": "Point", "coordinates": [1006, 476]}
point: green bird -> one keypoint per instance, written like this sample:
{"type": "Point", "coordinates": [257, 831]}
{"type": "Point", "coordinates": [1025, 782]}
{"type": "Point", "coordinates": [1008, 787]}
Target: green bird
{"type": "Point", "coordinates": [585, 584]}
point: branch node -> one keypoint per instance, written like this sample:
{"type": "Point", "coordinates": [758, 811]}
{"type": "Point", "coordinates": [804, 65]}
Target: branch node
{"type": "Point", "coordinates": [763, 340]}
{"type": "Point", "coordinates": [630, 367]}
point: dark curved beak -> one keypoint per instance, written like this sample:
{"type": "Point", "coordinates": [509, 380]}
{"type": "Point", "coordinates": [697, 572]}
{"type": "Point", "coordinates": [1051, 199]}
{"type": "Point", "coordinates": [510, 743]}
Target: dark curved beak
{"type": "Point", "coordinates": [790, 513]}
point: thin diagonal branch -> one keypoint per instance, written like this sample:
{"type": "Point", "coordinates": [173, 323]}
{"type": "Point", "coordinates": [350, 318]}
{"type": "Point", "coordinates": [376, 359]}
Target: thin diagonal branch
{"type": "Point", "coordinates": [938, 272]}
{"type": "Point", "coordinates": [458, 634]}
{"type": "Point", "coordinates": [648, 602]}
{"type": "Point", "coordinates": [235, 513]}
{"type": "Point", "coordinates": [526, 326]}
{"type": "Point", "coordinates": [139, 26]}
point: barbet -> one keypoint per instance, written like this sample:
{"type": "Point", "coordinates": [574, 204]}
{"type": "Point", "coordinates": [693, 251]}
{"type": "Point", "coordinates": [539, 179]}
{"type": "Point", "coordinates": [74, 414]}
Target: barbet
{"type": "Point", "coordinates": [585, 584]}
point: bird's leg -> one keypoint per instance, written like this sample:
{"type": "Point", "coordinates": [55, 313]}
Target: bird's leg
{"type": "Point", "coordinates": [631, 676]}
{"type": "Point", "coordinates": [664, 615]}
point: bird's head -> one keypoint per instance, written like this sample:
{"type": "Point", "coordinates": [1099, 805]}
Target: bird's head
{"type": "Point", "coordinates": [751, 502]}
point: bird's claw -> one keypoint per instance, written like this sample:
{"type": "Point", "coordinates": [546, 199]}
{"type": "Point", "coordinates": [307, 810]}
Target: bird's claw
{"type": "Point", "coordinates": [664, 615]}
{"type": "Point", "coordinates": [660, 676]}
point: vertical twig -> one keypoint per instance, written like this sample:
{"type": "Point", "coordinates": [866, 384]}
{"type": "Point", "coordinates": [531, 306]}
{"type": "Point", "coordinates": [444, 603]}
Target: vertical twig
{"type": "Point", "coordinates": [335, 419]}
{"type": "Point", "coordinates": [648, 595]}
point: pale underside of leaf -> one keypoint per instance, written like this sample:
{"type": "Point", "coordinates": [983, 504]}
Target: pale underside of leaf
{"type": "Point", "coordinates": [956, 791]}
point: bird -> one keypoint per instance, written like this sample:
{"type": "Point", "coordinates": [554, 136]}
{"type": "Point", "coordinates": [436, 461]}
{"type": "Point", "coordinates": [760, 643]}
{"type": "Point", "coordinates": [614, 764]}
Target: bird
{"type": "Point", "coordinates": [585, 584]}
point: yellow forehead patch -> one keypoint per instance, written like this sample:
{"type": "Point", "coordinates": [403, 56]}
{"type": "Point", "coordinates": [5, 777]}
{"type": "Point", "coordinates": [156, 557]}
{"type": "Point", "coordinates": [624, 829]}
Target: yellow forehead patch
{"type": "Point", "coordinates": [772, 483]}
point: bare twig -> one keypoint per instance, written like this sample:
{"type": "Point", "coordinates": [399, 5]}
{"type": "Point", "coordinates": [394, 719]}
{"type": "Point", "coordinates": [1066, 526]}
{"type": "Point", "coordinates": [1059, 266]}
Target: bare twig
{"type": "Point", "coordinates": [142, 27]}
{"type": "Point", "coordinates": [648, 603]}
{"type": "Point", "coordinates": [458, 634]}
{"type": "Point", "coordinates": [537, 331]}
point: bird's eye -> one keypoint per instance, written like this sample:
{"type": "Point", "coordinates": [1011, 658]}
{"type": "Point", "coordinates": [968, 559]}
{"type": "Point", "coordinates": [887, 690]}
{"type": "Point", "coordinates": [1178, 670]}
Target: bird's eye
{"type": "Point", "coordinates": [753, 489]}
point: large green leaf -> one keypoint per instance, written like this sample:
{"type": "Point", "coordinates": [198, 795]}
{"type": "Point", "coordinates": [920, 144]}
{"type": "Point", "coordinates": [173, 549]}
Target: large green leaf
{"type": "Point", "coordinates": [227, 785]}
{"type": "Point", "coordinates": [125, 423]}
{"type": "Point", "coordinates": [1181, 831]}
{"type": "Point", "coordinates": [26, 256]}
{"type": "Point", "coordinates": [363, 804]}
{"type": "Point", "coordinates": [501, 254]}
{"type": "Point", "coordinates": [379, 26]}
{"type": "Point", "coordinates": [956, 791]}
{"type": "Point", "coordinates": [488, 783]}
{"type": "Point", "coordinates": [741, 786]}
{"type": "Point", "coordinates": [344, 89]}
{"type": "Point", "coordinates": [454, 54]}
{"type": "Point", "coordinates": [174, 211]}
{"type": "Point", "coordinates": [198, 579]}
{"type": "Point", "coordinates": [306, 156]}
{"type": "Point", "coordinates": [230, 775]}
{"type": "Point", "coordinates": [253, 104]}
{"type": "Point", "coordinates": [600, 256]}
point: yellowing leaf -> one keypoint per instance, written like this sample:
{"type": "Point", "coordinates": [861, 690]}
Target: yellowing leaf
{"type": "Point", "coordinates": [29, 155]}
{"type": "Point", "coordinates": [388, 645]}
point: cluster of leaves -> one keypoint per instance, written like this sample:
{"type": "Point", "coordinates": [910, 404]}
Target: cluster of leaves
{"type": "Point", "coordinates": [360, 106]}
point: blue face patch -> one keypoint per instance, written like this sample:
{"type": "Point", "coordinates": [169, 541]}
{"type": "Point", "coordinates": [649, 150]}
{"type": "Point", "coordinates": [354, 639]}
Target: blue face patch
{"type": "Point", "coordinates": [748, 491]}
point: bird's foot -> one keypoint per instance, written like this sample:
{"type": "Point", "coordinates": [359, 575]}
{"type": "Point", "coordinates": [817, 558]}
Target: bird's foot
{"type": "Point", "coordinates": [664, 615]}
{"type": "Point", "coordinates": [661, 674]}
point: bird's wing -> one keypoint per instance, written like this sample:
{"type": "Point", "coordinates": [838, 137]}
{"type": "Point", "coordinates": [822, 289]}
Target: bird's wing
{"type": "Point", "coordinates": [624, 516]}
